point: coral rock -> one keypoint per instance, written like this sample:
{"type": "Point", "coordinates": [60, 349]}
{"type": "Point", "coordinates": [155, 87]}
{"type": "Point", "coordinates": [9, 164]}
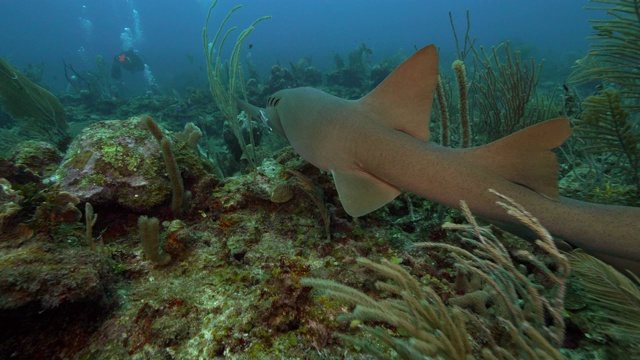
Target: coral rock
{"type": "Point", "coordinates": [115, 162]}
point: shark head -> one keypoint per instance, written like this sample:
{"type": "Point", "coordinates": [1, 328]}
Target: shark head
{"type": "Point", "coordinates": [267, 115]}
{"type": "Point", "coordinates": [271, 112]}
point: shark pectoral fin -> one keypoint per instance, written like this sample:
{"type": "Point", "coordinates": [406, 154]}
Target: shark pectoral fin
{"type": "Point", "coordinates": [361, 193]}
{"type": "Point", "coordinates": [525, 157]}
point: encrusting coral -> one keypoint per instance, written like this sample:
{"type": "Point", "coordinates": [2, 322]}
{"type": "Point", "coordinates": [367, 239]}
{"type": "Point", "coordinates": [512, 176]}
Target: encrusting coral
{"type": "Point", "coordinates": [120, 163]}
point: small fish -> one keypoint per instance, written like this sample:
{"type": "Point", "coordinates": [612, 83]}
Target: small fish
{"type": "Point", "coordinates": [250, 46]}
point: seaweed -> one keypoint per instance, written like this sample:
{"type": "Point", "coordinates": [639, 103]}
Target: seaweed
{"type": "Point", "coordinates": [614, 55]}
{"type": "Point", "coordinates": [39, 111]}
{"type": "Point", "coordinates": [606, 128]}
{"type": "Point", "coordinates": [413, 321]}
{"type": "Point", "coordinates": [613, 298]}
{"type": "Point", "coordinates": [224, 93]}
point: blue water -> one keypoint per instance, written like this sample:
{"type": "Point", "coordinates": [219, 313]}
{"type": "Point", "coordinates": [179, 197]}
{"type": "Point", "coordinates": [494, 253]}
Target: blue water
{"type": "Point", "coordinates": [167, 33]}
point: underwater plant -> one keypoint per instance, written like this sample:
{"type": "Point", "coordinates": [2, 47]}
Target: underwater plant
{"type": "Point", "coordinates": [431, 328]}
{"type": "Point", "coordinates": [178, 196]}
{"type": "Point", "coordinates": [149, 232]}
{"type": "Point", "coordinates": [495, 97]}
{"type": "Point", "coordinates": [606, 128]}
{"type": "Point", "coordinates": [503, 90]}
{"type": "Point", "coordinates": [614, 55]}
{"type": "Point", "coordinates": [463, 102]}
{"type": "Point", "coordinates": [225, 92]}
{"type": "Point", "coordinates": [609, 123]}
{"type": "Point", "coordinates": [39, 111]}
{"type": "Point", "coordinates": [418, 323]}
{"type": "Point", "coordinates": [614, 297]}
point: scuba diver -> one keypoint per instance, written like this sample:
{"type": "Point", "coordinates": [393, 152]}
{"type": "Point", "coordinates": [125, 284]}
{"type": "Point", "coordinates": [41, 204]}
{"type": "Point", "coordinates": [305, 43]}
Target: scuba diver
{"type": "Point", "coordinates": [128, 60]}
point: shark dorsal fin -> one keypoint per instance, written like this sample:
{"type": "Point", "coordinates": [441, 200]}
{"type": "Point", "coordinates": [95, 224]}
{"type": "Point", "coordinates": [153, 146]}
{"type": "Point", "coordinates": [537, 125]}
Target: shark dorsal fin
{"type": "Point", "coordinates": [525, 157]}
{"type": "Point", "coordinates": [403, 100]}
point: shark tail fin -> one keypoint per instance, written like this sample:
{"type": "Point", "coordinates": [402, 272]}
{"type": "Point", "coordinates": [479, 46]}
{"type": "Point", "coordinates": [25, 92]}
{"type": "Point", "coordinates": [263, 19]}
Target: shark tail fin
{"type": "Point", "coordinates": [525, 157]}
{"type": "Point", "coordinates": [403, 100]}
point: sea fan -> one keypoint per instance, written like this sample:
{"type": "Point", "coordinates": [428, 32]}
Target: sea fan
{"type": "Point", "coordinates": [614, 55]}
{"type": "Point", "coordinates": [614, 294]}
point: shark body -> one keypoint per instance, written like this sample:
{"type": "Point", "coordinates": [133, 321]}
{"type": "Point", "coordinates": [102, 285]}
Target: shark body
{"type": "Point", "coordinates": [378, 145]}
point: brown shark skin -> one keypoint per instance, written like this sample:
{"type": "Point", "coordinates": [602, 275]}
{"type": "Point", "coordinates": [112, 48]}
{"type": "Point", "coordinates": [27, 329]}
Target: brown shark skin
{"type": "Point", "coordinates": [370, 137]}
{"type": "Point", "coordinates": [447, 176]}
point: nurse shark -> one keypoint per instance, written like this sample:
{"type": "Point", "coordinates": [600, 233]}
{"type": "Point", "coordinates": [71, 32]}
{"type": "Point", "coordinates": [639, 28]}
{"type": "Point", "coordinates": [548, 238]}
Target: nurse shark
{"type": "Point", "coordinates": [378, 145]}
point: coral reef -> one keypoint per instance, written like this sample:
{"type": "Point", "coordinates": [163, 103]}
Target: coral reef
{"type": "Point", "coordinates": [421, 324]}
{"type": "Point", "coordinates": [119, 163]}
{"type": "Point", "coordinates": [221, 274]}
{"type": "Point", "coordinates": [38, 157]}
{"type": "Point", "coordinates": [9, 202]}
{"type": "Point", "coordinates": [280, 78]}
{"type": "Point", "coordinates": [47, 289]}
